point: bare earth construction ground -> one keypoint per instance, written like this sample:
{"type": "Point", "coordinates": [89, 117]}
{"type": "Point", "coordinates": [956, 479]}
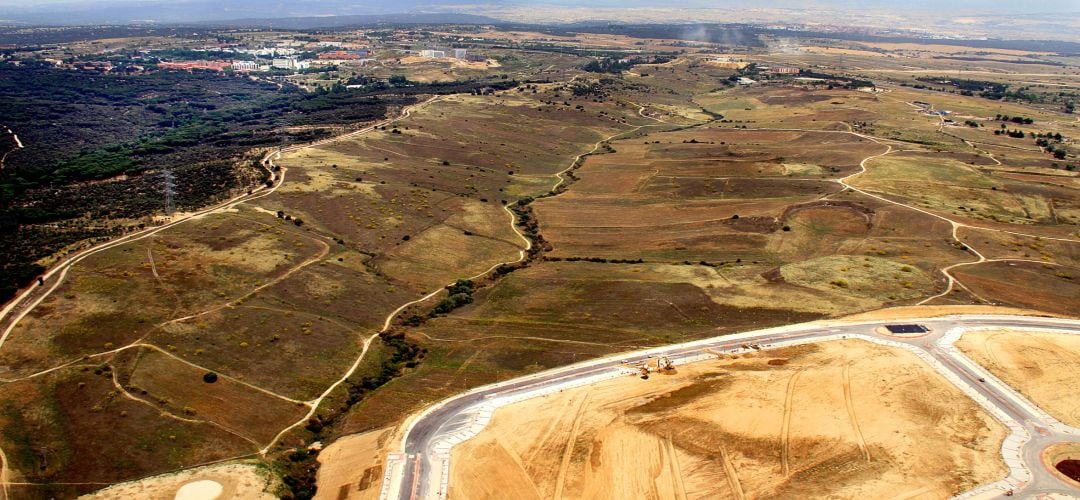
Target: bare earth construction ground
{"type": "Point", "coordinates": [845, 419]}
{"type": "Point", "coordinates": [1044, 367]}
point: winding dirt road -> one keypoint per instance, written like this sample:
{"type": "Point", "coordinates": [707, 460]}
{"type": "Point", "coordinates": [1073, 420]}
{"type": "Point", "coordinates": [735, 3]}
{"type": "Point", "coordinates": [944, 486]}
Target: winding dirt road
{"type": "Point", "coordinates": [15, 310]}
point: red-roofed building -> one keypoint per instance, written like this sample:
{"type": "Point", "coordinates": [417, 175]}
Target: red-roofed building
{"type": "Point", "coordinates": [339, 55]}
{"type": "Point", "coordinates": [191, 65]}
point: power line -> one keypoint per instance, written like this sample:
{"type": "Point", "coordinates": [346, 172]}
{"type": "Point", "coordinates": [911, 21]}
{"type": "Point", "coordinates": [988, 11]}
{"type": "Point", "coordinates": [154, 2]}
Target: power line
{"type": "Point", "coordinates": [170, 190]}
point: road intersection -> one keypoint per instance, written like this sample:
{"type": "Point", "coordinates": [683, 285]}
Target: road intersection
{"type": "Point", "coordinates": [421, 469]}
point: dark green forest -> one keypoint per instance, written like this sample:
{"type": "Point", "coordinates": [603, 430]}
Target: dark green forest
{"type": "Point", "coordinates": [96, 146]}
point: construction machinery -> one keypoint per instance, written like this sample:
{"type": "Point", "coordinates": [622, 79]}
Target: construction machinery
{"type": "Point", "coordinates": [718, 354]}
{"type": "Point", "coordinates": [645, 367]}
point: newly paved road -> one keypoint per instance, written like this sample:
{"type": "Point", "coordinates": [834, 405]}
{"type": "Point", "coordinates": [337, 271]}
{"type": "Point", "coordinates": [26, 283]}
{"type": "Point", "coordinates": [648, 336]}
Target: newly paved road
{"type": "Point", "coordinates": [425, 442]}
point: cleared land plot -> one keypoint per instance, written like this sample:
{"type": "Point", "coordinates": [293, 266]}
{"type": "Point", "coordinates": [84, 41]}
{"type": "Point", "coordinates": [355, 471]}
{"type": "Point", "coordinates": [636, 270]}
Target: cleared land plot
{"type": "Point", "coordinates": [352, 467]}
{"type": "Point", "coordinates": [1043, 366]}
{"type": "Point", "coordinates": [845, 419]}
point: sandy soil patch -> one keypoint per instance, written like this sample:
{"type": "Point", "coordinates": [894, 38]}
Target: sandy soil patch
{"type": "Point", "coordinates": [352, 467]}
{"type": "Point", "coordinates": [1045, 367]}
{"type": "Point", "coordinates": [232, 481]}
{"type": "Point", "coordinates": [457, 63]}
{"type": "Point", "coordinates": [898, 313]}
{"type": "Point", "coordinates": [203, 489]}
{"type": "Point", "coordinates": [840, 419]}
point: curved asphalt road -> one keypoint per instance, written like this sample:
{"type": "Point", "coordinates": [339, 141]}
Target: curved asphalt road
{"type": "Point", "coordinates": [419, 471]}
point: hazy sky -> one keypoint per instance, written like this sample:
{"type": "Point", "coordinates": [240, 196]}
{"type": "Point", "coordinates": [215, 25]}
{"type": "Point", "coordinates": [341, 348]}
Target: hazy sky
{"type": "Point", "coordinates": [971, 5]}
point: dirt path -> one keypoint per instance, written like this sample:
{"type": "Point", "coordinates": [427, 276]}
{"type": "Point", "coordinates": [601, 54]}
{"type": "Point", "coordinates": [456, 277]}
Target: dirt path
{"type": "Point", "coordinates": [168, 414]}
{"type": "Point", "coordinates": [153, 266]}
{"type": "Point", "coordinates": [4, 479]}
{"type": "Point", "coordinates": [12, 313]}
{"type": "Point", "coordinates": [677, 482]}
{"type": "Point", "coordinates": [851, 411]}
{"type": "Point", "coordinates": [145, 345]}
{"type": "Point", "coordinates": [785, 429]}
{"type": "Point", "coordinates": [731, 475]}
{"type": "Point", "coordinates": [560, 479]}
{"type": "Point", "coordinates": [579, 158]}
{"type": "Point", "coordinates": [552, 424]}
{"type": "Point", "coordinates": [952, 282]}
{"type": "Point", "coordinates": [322, 254]}
{"type": "Point", "coordinates": [18, 145]}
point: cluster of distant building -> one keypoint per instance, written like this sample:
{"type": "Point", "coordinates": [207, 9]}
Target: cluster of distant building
{"type": "Point", "coordinates": [461, 54]}
{"type": "Point", "coordinates": [287, 53]}
{"type": "Point", "coordinates": [780, 70]}
{"type": "Point", "coordinates": [283, 61]}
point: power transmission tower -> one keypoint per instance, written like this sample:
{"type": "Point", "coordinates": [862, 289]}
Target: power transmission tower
{"type": "Point", "coordinates": [170, 190]}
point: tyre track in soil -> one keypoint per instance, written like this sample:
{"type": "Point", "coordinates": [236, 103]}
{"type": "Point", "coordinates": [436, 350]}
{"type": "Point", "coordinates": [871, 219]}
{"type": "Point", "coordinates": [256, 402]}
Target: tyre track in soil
{"type": "Point", "coordinates": [785, 429]}
{"type": "Point", "coordinates": [851, 411]}
{"type": "Point", "coordinates": [676, 469]}
{"type": "Point", "coordinates": [731, 475]}
{"type": "Point", "coordinates": [560, 479]}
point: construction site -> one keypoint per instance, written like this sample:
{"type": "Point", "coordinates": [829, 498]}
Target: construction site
{"type": "Point", "coordinates": [844, 418]}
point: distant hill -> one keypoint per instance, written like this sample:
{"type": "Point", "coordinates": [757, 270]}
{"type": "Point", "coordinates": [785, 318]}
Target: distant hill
{"type": "Point", "coordinates": [198, 11]}
{"type": "Point", "coordinates": [321, 22]}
